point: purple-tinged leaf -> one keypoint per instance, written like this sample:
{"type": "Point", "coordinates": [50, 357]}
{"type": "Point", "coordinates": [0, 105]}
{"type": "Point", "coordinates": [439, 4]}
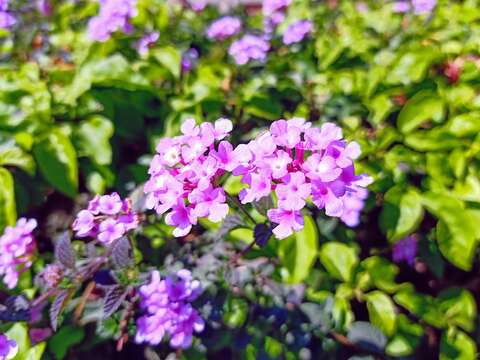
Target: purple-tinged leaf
{"type": "Point", "coordinates": [261, 234]}
{"type": "Point", "coordinates": [230, 223]}
{"type": "Point", "coordinates": [114, 297]}
{"type": "Point", "coordinates": [64, 252]}
{"type": "Point", "coordinates": [122, 254]}
{"type": "Point", "coordinates": [57, 307]}
{"type": "Point", "coordinates": [264, 204]}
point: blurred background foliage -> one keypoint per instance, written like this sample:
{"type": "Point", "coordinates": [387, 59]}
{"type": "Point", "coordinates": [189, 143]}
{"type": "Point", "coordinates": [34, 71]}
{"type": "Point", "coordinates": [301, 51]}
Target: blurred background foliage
{"type": "Point", "coordinates": [81, 117]}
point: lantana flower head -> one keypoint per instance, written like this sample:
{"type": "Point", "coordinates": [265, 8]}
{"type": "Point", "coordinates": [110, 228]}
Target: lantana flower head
{"type": "Point", "coordinates": [114, 16]}
{"type": "Point", "coordinates": [168, 310]}
{"type": "Point", "coordinates": [249, 47]}
{"type": "Point", "coordinates": [7, 20]}
{"type": "Point", "coordinates": [300, 164]}
{"type": "Point", "coordinates": [17, 245]}
{"type": "Point", "coordinates": [107, 218]}
{"type": "Point", "coordinates": [224, 28]}
{"type": "Point", "coordinates": [184, 171]}
{"type": "Point", "coordinates": [418, 6]}
{"type": "Point", "coordinates": [297, 31]}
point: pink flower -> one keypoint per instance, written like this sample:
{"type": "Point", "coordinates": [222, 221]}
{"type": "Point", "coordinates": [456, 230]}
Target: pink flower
{"type": "Point", "coordinates": [288, 221]}
{"type": "Point", "coordinates": [8, 347]}
{"type": "Point", "coordinates": [84, 223]}
{"type": "Point", "coordinates": [322, 167]}
{"type": "Point", "coordinates": [278, 164]}
{"type": "Point", "coordinates": [110, 204]}
{"type": "Point", "coordinates": [222, 128]}
{"type": "Point", "coordinates": [209, 203]}
{"type": "Point", "coordinates": [319, 139]}
{"type": "Point", "coordinates": [327, 196]}
{"type": "Point", "coordinates": [353, 203]}
{"type": "Point", "coordinates": [260, 186]}
{"type": "Point", "coordinates": [285, 133]}
{"type": "Point", "coordinates": [293, 192]}
{"type": "Point", "coordinates": [232, 159]}
{"type": "Point", "coordinates": [182, 218]}
{"type": "Point", "coordinates": [110, 230]}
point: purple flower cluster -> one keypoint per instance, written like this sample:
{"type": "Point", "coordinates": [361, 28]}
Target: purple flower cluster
{"type": "Point", "coordinates": [107, 218]}
{"type": "Point", "coordinates": [299, 162]}
{"type": "Point", "coordinates": [44, 7]}
{"type": "Point", "coordinates": [114, 16]}
{"type": "Point", "coordinates": [168, 308]}
{"type": "Point", "coordinates": [297, 31]}
{"type": "Point", "coordinates": [146, 41]}
{"type": "Point", "coordinates": [17, 245]}
{"type": "Point", "coordinates": [405, 250]}
{"type": "Point", "coordinates": [8, 348]}
{"type": "Point", "coordinates": [274, 10]}
{"type": "Point", "coordinates": [224, 28]}
{"type": "Point", "coordinates": [189, 59]}
{"type": "Point", "coordinates": [419, 6]}
{"type": "Point", "coordinates": [6, 19]}
{"type": "Point", "coordinates": [183, 174]}
{"type": "Point", "coordinates": [353, 203]}
{"type": "Point", "coordinates": [249, 47]}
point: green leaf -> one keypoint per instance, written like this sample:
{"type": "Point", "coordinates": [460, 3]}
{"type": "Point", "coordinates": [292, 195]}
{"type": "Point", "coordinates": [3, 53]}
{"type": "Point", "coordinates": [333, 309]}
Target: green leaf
{"type": "Point", "coordinates": [367, 336]}
{"type": "Point", "coordinates": [339, 259]}
{"type": "Point", "coordinates": [411, 66]}
{"type": "Point", "coordinates": [459, 308]}
{"type": "Point", "coordinates": [111, 71]}
{"type": "Point", "coordinates": [273, 347]}
{"type": "Point", "coordinates": [382, 273]}
{"type": "Point", "coordinates": [423, 106]}
{"type": "Point", "coordinates": [457, 230]}
{"type": "Point", "coordinates": [423, 306]}
{"type": "Point", "coordinates": [235, 312]}
{"type": "Point", "coordinates": [457, 346]}
{"type": "Point", "coordinates": [19, 333]}
{"type": "Point", "coordinates": [465, 124]}
{"type": "Point", "coordinates": [36, 352]}
{"type": "Point", "coordinates": [380, 106]}
{"type": "Point", "coordinates": [169, 57]}
{"type": "Point", "coordinates": [8, 210]}
{"type": "Point", "coordinates": [64, 339]}
{"type": "Point", "coordinates": [92, 139]}
{"type": "Point", "coordinates": [381, 311]}
{"type": "Point", "coordinates": [57, 160]}
{"type": "Point", "coordinates": [264, 107]}
{"type": "Point", "coordinates": [402, 212]}
{"type": "Point", "coordinates": [299, 252]}
{"type": "Point", "coordinates": [406, 338]}
{"type": "Point", "coordinates": [432, 140]}
{"type": "Point", "coordinates": [12, 155]}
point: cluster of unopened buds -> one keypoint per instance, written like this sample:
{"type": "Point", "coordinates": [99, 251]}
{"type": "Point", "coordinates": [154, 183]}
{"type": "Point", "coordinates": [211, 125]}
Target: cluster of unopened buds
{"type": "Point", "coordinates": [106, 218]}
{"type": "Point", "coordinates": [168, 310]}
{"type": "Point", "coordinates": [293, 160]}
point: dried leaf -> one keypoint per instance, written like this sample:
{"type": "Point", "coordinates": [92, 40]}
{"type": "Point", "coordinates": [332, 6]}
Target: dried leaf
{"type": "Point", "coordinates": [57, 307]}
{"type": "Point", "coordinates": [64, 252]}
{"type": "Point", "coordinates": [113, 299]}
{"type": "Point", "coordinates": [122, 254]}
